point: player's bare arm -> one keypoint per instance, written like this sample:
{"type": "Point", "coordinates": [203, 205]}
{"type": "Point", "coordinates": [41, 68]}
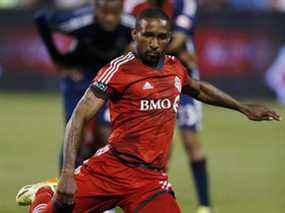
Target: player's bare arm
{"type": "Point", "coordinates": [209, 94]}
{"type": "Point", "coordinates": [87, 107]}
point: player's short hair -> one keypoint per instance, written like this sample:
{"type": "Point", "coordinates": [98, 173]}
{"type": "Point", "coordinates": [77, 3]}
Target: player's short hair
{"type": "Point", "coordinates": [153, 13]}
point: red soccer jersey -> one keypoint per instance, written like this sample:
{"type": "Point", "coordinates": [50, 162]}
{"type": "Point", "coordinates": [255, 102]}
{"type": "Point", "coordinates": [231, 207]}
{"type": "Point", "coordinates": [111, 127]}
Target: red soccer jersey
{"type": "Point", "coordinates": [143, 106]}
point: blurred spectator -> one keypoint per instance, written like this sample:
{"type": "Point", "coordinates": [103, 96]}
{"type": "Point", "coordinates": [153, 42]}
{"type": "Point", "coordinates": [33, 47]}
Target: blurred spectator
{"type": "Point", "coordinates": [30, 4]}
{"type": "Point", "coordinates": [213, 5]}
{"type": "Point", "coordinates": [250, 4]}
{"type": "Point", "coordinates": [8, 3]}
{"type": "Point", "coordinates": [278, 5]}
{"type": "Point", "coordinates": [240, 5]}
{"type": "Point", "coordinates": [17, 4]}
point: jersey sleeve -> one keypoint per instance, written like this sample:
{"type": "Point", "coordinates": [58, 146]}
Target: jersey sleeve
{"type": "Point", "coordinates": [111, 81]}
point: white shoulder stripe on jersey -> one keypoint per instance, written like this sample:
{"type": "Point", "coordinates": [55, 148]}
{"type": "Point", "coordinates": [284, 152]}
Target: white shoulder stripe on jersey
{"type": "Point", "coordinates": [131, 57]}
{"type": "Point", "coordinates": [115, 69]}
{"type": "Point", "coordinates": [116, 64]}
{"type": "Point", "coordinates": [111, 66]}
{"type": "Point", "coordinates": [112, 69]}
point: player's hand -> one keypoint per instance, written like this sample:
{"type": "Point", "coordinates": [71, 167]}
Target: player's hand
{"type": "Point", "coordinates": [260, 113]}
{"type": "Point", "coordinates": [66, 188]}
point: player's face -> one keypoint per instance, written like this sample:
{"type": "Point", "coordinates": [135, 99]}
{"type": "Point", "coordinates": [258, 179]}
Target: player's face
{"type": "Point", "coordinates": [152, 36]}
{"type": "Point", "coordinates": [108, 13]}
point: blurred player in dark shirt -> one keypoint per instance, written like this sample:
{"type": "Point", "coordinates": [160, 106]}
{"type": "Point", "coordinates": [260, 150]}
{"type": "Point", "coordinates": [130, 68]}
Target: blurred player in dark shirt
{"type": "Point", "coordinates": [98, 33]}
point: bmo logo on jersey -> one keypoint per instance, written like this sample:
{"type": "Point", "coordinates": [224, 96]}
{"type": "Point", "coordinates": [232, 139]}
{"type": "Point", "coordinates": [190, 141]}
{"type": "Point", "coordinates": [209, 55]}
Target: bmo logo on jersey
{"type": "Point", "coordinates": [149, 105]}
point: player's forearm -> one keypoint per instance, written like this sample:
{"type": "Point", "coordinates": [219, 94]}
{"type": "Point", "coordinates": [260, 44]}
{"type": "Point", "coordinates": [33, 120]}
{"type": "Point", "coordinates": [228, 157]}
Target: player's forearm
{"type": "Point", "coordinates": [213, 96]}
{"type": "Point", "coordinates": [85, 110]}
{"type": "Point", "coordinates": [72, 140]}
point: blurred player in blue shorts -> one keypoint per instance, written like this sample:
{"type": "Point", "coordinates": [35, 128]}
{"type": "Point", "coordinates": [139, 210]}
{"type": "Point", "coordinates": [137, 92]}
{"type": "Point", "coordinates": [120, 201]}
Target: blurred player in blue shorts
{"type": "Point", "coordinates": [98, 33]}
{"type": "Point", "coordinates": [190, 110]}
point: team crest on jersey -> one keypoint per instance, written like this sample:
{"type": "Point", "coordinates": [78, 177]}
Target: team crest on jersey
{"type": "Point", "coordinates": [177, 83]}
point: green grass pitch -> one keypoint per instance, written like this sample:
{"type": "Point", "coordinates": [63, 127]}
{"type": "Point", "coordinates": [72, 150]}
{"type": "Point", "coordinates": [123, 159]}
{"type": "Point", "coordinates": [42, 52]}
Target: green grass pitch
{"type": "Point", "coordinates": [246, 159]}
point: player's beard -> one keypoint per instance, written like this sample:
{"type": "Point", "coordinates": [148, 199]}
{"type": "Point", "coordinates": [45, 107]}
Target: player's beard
{"type": "Point", "coordinates": [151, 60]}
{"type": "Point", "coordinates": [145, 58]}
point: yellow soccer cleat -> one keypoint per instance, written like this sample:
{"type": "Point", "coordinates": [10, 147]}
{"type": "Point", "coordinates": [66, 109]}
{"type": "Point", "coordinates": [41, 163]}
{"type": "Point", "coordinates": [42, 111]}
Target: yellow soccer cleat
{"type": "Point", "coordinates": [204, 209]}
{"type": "Point", "coordinates": [26, 194]}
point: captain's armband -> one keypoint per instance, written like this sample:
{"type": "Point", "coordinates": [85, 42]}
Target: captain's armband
{"type": "Point", "coordinates": [99, 89]}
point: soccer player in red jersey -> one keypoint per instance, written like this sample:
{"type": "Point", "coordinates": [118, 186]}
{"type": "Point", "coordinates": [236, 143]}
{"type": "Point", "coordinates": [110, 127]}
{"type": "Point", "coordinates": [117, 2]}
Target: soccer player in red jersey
{"type": "Point", "coordinates": [144, 89]}
{"type": "Point", "coordinates": [190, 114]}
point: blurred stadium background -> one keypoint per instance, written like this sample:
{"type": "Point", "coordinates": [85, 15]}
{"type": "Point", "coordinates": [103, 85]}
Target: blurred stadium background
{"type": "Point", "coordinates": [237, 42]}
